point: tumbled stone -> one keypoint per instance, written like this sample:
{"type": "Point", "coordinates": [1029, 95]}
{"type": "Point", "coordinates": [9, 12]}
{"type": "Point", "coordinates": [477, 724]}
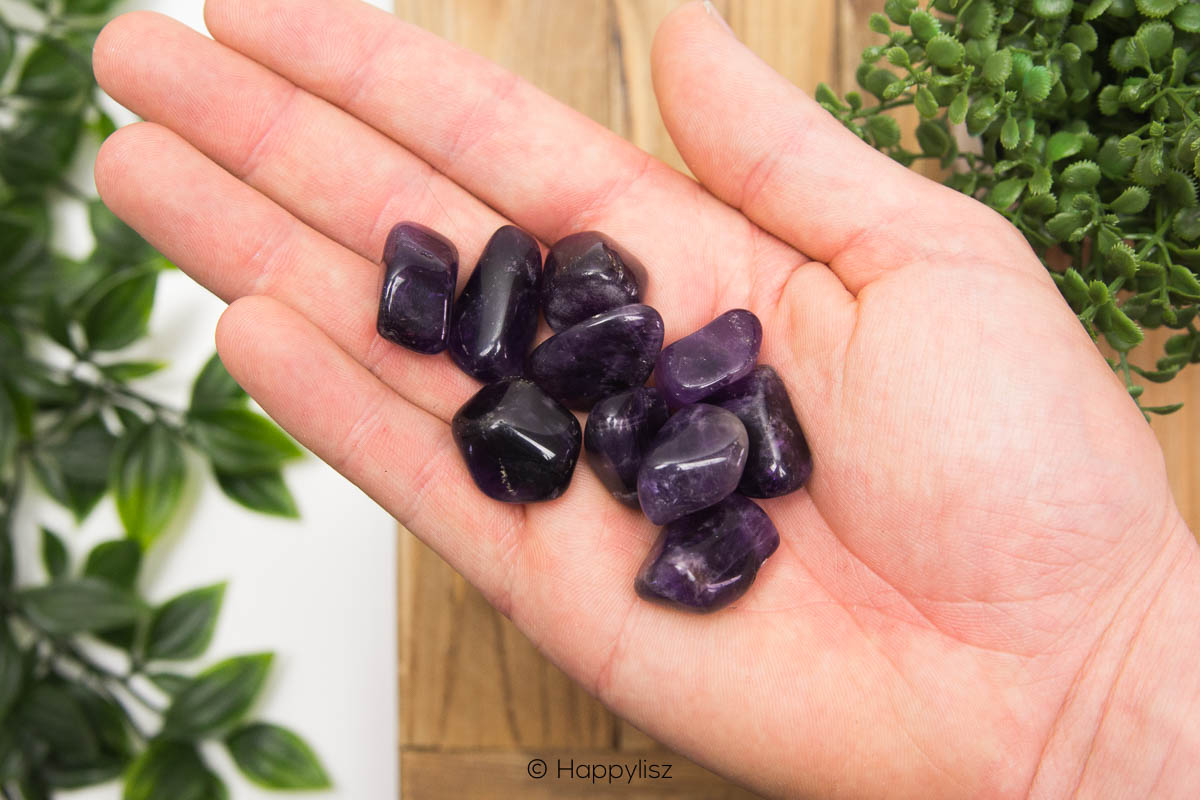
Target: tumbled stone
{"type": "Point", "coordinates": [695, 461]}
{"type": "Point", "coordinates": [720, 353]}
{"type": "Point", "coordinates": [779, 460]}
{"type": "Point", "coordinates": [520, 444]}
{"type": "Point", "coordinates": [587, 274]}
{"type": "Point", "coordinates": [706, 560]}
{"type": "Point", "coordinates": [495, 317]}
{"type": "Point", "coordinates": [420, 272]}
{"type": "Point", "coordinates": [618, 433]}
{"type": "Point", "coordinates": [605, 354]}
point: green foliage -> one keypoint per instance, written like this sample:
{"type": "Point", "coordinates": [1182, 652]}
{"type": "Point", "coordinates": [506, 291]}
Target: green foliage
{"type": "Point", "coordinates": [75, 422]}
{"type": "Point", "coordinates": [1088, 141]}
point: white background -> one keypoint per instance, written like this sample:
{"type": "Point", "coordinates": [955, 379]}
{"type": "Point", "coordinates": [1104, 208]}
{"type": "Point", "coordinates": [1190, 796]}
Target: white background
{"type": "Point", "coordinates": [320, 591]}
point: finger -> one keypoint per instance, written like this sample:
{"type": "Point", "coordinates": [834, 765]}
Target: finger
{"type": "Point", "coordinates": [351, 420]}
{"type": "Point", "coordinates": [327, 168]}
{"type": "Point", "coordinates": [765, 147]}
{"type": "Point", "coordinates": [234, 240]}
{"type": "Point", "coordinates": [546, 167]}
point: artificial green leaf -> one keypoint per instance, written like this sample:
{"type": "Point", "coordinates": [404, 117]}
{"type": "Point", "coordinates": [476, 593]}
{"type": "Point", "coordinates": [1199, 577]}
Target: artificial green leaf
{"type": "Point", "coordinates": [827, 97]}
{"type": "Point", "coordinates": [944, 50]}
{"type": "Point", "coordinates": [1010, 134]}
{"type": "Point", "coordinates": [12, 671]}
{"type": "Point", "coordinates": [1096, 8]}
{"type": "Point", "coordinates": [1182, 281]}
{"type": "Point", "coordinates": [217, 698]}
{"type": "Point", "coordinates": [1157, 37]}
{"type": "Point", "coordinates": [239, 441]}
{"type": "Point", "coordinates": [877, 80]}
{"type": "Point", "coordinates": [8, 428]}
{"type": "Point", "coordinates": [1036, 85]}
{"type": "Point", "coordinates": [1162, 410]}
{"type": "Point", "coordinates": [50, 714]}
{"type": "Point", "coordinates": [6, 47]}
{"type": "Point", "coordinates": [215, 387]}
{"type": "Point", "coordinates": [926, 103]}
{"type": "Point", "coordinates": [979, 18]}
{"type": "Point", "coordinates": [878, 23]}
{"type": "Point", "coordinates": [957, 112]}
{"type": "Point", "coordinates": [998, 67]}
{"type": "Point", "coordinates": [1181, 189]}
{"type": "Point", "coordinates": [126, 371]}
{"type": "Point", "coordinates": [260, 491]}
{"type": "Point", "coordinates": [1122, 333]}
{"type": "Point", "coordinates": [39, 146]}
{"type": "Point", "coordinates": [119, 316]}
{"type": "Point", "coordinates": [1156, 8]}
{"type": "Point", "coordinates": [1123, 54]}
{"type": "Point", "coordinates": [170, 770]}
{"type": "Point", "coordinates": [148, 477]}
{"type": "Point", "coordinates": [74, 470]}
{"type": "Point", "coordinates": [884, 130]}
{"type": "Point", "coordinates": [924, 25]}
{"type": "Point", "coordinates": [114, 236]}
{"type": "Point", "coordinates": [1005, 193]}
{"type": "Point", "coordinates": [116, 561]}
{"type": "Point", "coordinates": [183, 626]}
{"type": "Point", "coordinates": [1040, 205]}
{"type": "Point", "coordinates": [87, 6]}
{"type": "Point", "coordinates": [79, 605]}
{"type": "Point", "coordinates": [897, 56]}
{"type": "Point", "coordinates": [1123, 259]}
{"type": "Point", "coordinates": [54, 554]}
{"type": "Point", "coordinates": [53, 72]}
{"type": "Point", "coordinates": [1063, 224]}
{"type": "Point", "coordinates": [1187, 17]}
{"type": "Point", "coordinates": [1082, 175]}
{"type": "Point", "coordinates": [1131, 201]}
{"type": "Point", "coordinates": [276, 758]}
{"type": "Point", "coordinates": [898, 11]}
{"type": "Point", "coordinates": [1109, 101]}
{"type": "Point", "coordinates": [169, 682]}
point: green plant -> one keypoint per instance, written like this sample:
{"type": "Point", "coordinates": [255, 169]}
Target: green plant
{"type": "Point", "coordinates": [1089, 142]}
{"type": "Point", "coordinates": [86, 691]}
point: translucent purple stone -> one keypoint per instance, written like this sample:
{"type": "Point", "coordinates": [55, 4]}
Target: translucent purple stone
{"type": "Point", "coordinates": [618, 433]}
{"type": "Point", "coordinates": [779, 461]}
{"type": "Point", "coordinates": [495, 317]}
{"type": "Point", "coordinates": [587, 274]}
{"type": "Point", "coordinates": [706, 560]}
{"type": "Point", "coordinates": [720, 353]}
{"type": "Point", "coordinates": [605, 354]}
{"type": "Point", "coordinates": [520, 444]}
{"type": "Point", "coordinates": [420, 273]}
{"type": "Point", "coordinates": [696, 460]}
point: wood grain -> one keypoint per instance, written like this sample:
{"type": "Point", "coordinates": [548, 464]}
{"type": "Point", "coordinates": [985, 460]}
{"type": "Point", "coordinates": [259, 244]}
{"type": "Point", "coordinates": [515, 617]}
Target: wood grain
{"type": "Point", "coordinates": [477, 700]}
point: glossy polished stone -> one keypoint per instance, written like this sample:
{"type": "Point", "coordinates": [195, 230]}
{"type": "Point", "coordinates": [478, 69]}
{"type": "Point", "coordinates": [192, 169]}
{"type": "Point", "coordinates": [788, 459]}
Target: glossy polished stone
{"type": "Point", "coordinates": [420, 272]}
{"type": "Point", "coordinates": [605, 354]}
{"type": "Point", "coordinates": [695, 461]}
{"type": "Point", "coordinates": [495, 317]}
{"type": "Point", "coordinates": [618, 433]}
{"type": "Point", "coordinates": [779, 461]}
{"type": "Point", "coordinates": [587, 274]}
{"type": "Point", "coordinates": [720, 353]}
{"type": "Point", "coordinates": [708, 559]}
{"type": "Point", "coordinates": [520, 445]}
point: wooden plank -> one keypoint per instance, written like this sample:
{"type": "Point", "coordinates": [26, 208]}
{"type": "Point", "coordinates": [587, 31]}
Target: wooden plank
{"type": "Point", "coordinates": [504, 775]}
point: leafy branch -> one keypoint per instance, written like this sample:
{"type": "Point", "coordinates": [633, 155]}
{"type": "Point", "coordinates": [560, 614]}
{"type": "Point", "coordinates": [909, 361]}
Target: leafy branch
{"type": "Point", "coordinates": [87, 693]}
{"type": "Point", "coordinates": [1089, 143]}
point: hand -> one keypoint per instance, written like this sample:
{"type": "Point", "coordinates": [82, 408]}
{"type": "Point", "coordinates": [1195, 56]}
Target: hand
{"type": "Point", "coordinates": [986, 587]}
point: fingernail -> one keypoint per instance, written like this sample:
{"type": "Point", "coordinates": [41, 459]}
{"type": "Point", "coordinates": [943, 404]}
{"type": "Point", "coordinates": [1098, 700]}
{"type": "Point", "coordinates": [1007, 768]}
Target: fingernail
{"type": "Point", "coordinates": [712, 12]}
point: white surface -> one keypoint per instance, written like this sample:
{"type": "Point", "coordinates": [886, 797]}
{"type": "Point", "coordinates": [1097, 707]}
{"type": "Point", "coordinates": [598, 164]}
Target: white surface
{"type": "Point", "coordinates": [320, 591]}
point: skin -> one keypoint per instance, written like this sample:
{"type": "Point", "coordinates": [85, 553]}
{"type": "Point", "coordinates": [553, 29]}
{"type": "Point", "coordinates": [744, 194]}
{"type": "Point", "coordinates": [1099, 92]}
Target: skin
{"type": "Point", "coordinates": [985, 590]}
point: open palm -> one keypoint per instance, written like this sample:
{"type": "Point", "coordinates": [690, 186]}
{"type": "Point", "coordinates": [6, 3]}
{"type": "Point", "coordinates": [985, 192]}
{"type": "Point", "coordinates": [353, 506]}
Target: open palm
{"type": "Point", "coordinates": [988, 519]}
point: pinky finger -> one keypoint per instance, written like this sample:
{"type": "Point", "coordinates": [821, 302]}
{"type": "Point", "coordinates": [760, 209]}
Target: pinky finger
{"type": "Point", "coordinates": [400, 455]}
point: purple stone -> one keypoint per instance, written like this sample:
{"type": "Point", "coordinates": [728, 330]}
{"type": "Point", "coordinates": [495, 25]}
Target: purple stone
{"type": "Point", "coordinates": [602, 355]}
{"type": "Point", "coordinates": [618, 433]}
{"type": "Point", "coordinates": [708, 559]}
{"type": "Point", "coordinates": [421, 269]}
{"type": "Point", "coordinates": [495, 318]}
{"type": "Point", "coordinates": [696, 460]}
{"type": "Point", "coordinates": [779, 460]}
{"type": "Point", "coordinates": [587, 274]}
{"type": "Point", "coordinates": [720, 353]}
{"type": "Point", "coordinates": [520, 445]}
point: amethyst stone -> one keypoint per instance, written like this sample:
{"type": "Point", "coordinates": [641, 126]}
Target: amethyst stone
{"type": "Point", "coordinates": [519, 444]}
{"type": "Point", "coordinates": [618, 432]}
{"type": "Point", "coordinates": [779, 460]}
{"type": "Point", "coordinates": [421, 269]}
{"type": "Point", "coordinates": [495, 318]}
{"type": "Point", "coordinates": [708, 559]}
{"type": "Point", "coordinates": [696, 460]}
{"type": "Point", "coordinates": [720, 353]}
{"type": "Point", "coordinates": [586, 274]}
{"type": "Point", "coordinates": [602, 355]}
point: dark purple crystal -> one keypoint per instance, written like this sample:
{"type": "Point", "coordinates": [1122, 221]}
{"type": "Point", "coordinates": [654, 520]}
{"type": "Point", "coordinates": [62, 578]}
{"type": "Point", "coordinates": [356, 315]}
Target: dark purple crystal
{"type": "Point", "coordinates": [779, 461]}
{"type": "Point", "coordinates": [586, 274]}
{"type": "Point", "coordinates": [605, 354]}
{"type": "Point", "coordinates": [421, 269]}
{"type": "Point", "coordinates": [720, 353]}
{"type": "Point", "coordinates": [696, 460]}
{"type": "Point", "coordinates": [708, 559]}
{"type": "Point", "coordinates": [618, 433]}
{"type": "Point", "coordinates": [495, 317]}
{"type": "Point", "coordinates": [520, 445]}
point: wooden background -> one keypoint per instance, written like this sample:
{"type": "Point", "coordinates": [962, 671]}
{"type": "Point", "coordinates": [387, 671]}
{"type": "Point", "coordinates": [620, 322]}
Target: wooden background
{"type": "Point", "coordinates": [477, 701]}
